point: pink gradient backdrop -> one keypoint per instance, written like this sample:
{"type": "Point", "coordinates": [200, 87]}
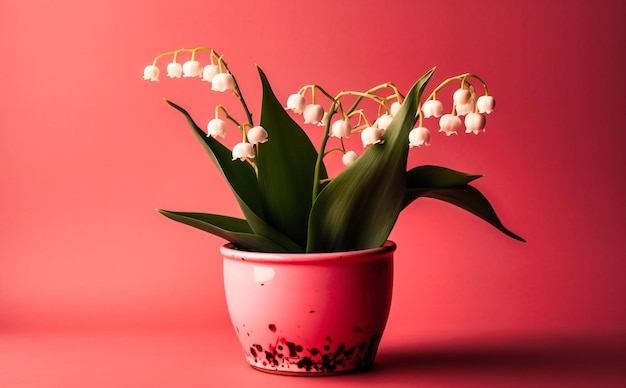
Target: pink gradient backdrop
{"type": "Point", "coordinates": [88, 150]}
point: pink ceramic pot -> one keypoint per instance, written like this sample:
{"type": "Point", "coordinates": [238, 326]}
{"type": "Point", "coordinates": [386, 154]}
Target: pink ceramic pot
{"type": "Point", "coordinates": [309, 314]}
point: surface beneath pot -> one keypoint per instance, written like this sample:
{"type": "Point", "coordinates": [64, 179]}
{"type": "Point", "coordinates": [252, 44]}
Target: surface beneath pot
{"type": "Point", "coordinates": [213, 358]}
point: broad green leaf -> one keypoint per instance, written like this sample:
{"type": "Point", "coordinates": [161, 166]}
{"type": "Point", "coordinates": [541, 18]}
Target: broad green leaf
{"type": "Point", "coordinates": [232, 229]}
{"type": "Point", "coordinates": [358, 208]}
{"type": "Point", "coordinates": [242, 179]}
{"type": "Point", "coordinates": [465, 197]}
{"type": "Point", "coordinates": [240, 176]}
{"type": "Point", "coordinates": [436, 177]}
{"type": "Point", "coordinates": [286, 164]}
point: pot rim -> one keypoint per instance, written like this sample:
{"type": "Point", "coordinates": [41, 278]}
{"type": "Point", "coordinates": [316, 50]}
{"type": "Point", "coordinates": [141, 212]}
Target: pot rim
{"type": "Point", "coordinates": [229, 251]}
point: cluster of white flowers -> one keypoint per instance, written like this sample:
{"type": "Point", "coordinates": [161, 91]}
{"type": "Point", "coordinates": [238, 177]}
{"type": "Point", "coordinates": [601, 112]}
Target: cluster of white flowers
{"type": "Point", "coordinates": [314, 113]}
{"type": "Point", "coordinates": [342, 128]}
{"type": "Point", "coordinates": [220, 79]}
{"type": "Point", "coordinates": [465, 103]}
{"type": "Point", "coordinates": [252, 136]}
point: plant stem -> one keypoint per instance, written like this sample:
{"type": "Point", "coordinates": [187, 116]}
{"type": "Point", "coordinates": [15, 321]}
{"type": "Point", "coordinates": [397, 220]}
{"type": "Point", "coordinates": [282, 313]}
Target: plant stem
{"type": "Point", "coordinates": [321, 151]}
{"type": "Point", "coordinates": [462, 78]}
{"type": "Point", "coordinates": [226, 115]}
{"type": "Point", "coordinates": [236, 89]}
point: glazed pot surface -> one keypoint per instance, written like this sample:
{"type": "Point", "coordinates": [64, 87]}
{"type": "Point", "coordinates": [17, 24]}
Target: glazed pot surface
{"type": "Point", "coordinates": [307, 314]}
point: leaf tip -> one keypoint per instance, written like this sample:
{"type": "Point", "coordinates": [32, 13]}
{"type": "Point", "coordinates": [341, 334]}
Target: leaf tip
{"type": "Point", "coordinates": [163, 212]}
{"type": "Point", "coordinates": [519, 238]}
{"type": "Point", "coordinates": [261, 72]}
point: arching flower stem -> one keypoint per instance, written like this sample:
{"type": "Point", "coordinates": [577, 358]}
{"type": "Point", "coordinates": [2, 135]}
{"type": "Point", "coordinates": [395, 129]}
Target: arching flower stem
{"type": "Point", "coordinates": [313, 88]}
{"type": "Point", "coordinates": [342, 150]}
{"type": "Point", "coordinates": [236, 91]}
{"type": "Point", "coordinates": [223, 66]}
{"type": "Point", "coordinates": [226, 115]}
{"type": "Point", "coordinates": [463, 79]}
{"type": "Point", "coordinates": [361, 115]}
{"type": "Point", "coordinates": [244, 133]}
{"type": "Point", "coordinates": [174, 53]}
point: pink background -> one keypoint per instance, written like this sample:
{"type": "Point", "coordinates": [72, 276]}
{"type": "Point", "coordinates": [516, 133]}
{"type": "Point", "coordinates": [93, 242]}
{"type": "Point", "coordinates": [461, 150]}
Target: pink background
{"type": "Point", "coordinates": [97, 289]}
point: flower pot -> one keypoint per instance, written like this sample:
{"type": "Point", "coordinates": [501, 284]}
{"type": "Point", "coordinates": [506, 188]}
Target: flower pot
{"type": "Point", "coordinates": [309, 314]}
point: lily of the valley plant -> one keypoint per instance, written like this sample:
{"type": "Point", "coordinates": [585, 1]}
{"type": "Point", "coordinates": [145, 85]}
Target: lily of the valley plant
{"type": "Point", "coordinates": [279, 178]}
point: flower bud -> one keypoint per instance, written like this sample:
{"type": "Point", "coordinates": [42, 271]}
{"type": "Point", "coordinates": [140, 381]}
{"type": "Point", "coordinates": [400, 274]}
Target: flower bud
{"type": "Point", "coordinates": [313, 114]}
{"type": "Point", "coordinates": [341, 128]}
{"type": "Point", "coordinates": [383, 121]}
{"type": "Point", "coordinates": [394, 108]}
{"type": "Point", "coordinates": [151, 73]}
{"type": "Point", "coordinates": [243, 151]}
{"type": "Point", "coordinates": [217, 127]}
{"type": "Point", "coordinates": [174, 70]}
{"type": "Point", "coordinates": [464, 109]}
{"type": "Point", "coordinates": [192, 69]}
{"type": "Point", "coordinates": [296, 102]}
{"type": "Point", "coordinates": [486, 104]}
{"type": "Point", "coordinates": [461, 96]}
{"type": "Point", "coordinates": [349, 157]}
{"type": "Point", "coordinates": [257, 135]}
{"type": "Point", "coordinates": [475, 122]}
{"type": "Point", "coordinates": [450, 124]}
{"type": "Point", "coordinates": [209, 72]}
{"type": "Point", "coordinates": [419, 136]}
{"type": "Point", "coordinates": [371, 135]}
{"type": "Point", "coordinates": [432, 108]}
{"type": "Point", "coordinates": [222, 82]}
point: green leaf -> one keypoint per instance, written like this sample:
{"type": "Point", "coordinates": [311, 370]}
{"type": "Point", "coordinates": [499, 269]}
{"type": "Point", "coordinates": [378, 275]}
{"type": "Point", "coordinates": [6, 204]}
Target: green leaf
{"type": "Point", "coordinates": [242, 179]}
{"type": "Point", "coordinates": [358, 208]}
{"type": "Point", "coordinates": [465, 197]}
{"type": "Point", "coordinates": [232, 229]}
{"type": "Point", "coordinates": [436, 177]}
{"type": "Point", "coordinates": [286, 165]}
{"type": "Point", "coordinates": [240, 176]}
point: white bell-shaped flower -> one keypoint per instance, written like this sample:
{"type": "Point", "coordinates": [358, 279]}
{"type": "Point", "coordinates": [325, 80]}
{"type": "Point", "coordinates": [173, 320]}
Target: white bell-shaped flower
{"type": "Point", "coordinates": [394, 108]}
{"type": "Point", "coordinates": [383, 121]}
{"type": "Point", "coordinates": [151, 73]}
{"type": "Point", "coordinates": [257, 135]}
{"type": "Point", "coordinates": [313, 114]}
{"type": "Point", "coordinates": [475, 122]}
{"type": "Point", "coordinates": [371, 135]}
{"type": "Point", "coordinates": [461, 96]}
{"type": "Point", "coordinates": [349, 157]}
{"type": "Point", "coordinates": [174, 70]}
{"type": "Point", "coordinates": [432, 108]}
{"type": "Point", "coordinates": [223, 82]}
{"type": "Point", "coordinates": [216, 127]}
{"type": "Point", "coordinates": [450, 124]}
{"type": "Point", "coordinates": [296, 102]}
{"type": "Point", "coordinates": [419, 136]}
{"type": "Point", "coordinates": [324, 120]}
{"type": "Point", "coordinates": [341, 128]}
{"type": "Point", "coordinates": [192, 69]}
{"type": "Point", "coordinates": [209, 72]}
{"type": "Point", "coordinates": [464, 109]}
{"type": "Point", "coordinates": [486, 104]}
{"type": "Point", "coordinates": [243, 151]}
